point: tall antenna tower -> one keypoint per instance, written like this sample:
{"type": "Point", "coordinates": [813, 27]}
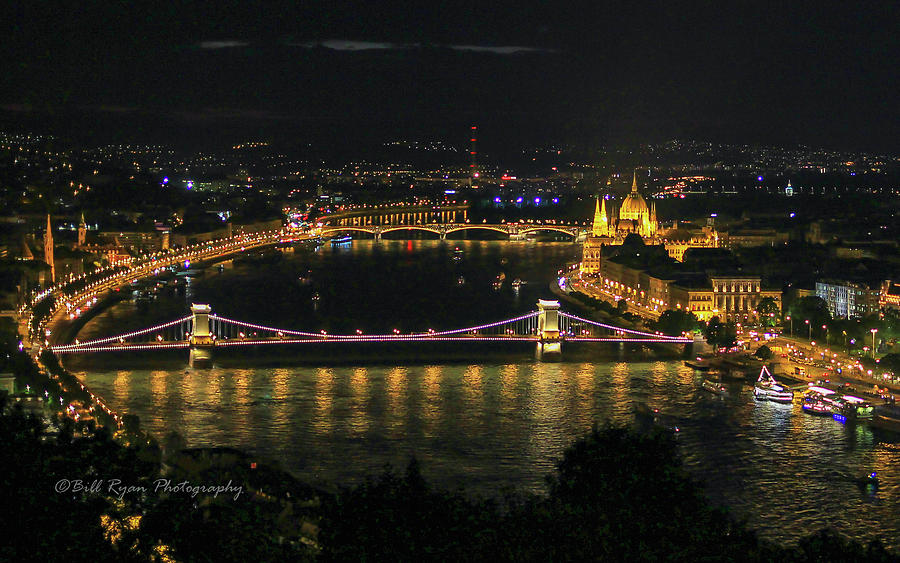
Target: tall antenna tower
{"type": "Point", "coordinates": [473, 154]}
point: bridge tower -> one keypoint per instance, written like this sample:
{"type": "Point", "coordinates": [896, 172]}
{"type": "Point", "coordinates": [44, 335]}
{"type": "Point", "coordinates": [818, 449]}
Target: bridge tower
{"type": "Point", "coordinates": [550, 346]}
{"type": "Point", "coordinates": [201, 335]}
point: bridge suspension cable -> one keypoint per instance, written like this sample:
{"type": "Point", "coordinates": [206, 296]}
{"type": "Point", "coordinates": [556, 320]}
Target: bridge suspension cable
{"type": "Point", "coordinates": [127, 335]}
{"type": "Point", "coordinates": [262, 327]}
{"type": "Point", "coordinates": [318, 335]}
{"type": "Point", "coordinates": [622, 330]}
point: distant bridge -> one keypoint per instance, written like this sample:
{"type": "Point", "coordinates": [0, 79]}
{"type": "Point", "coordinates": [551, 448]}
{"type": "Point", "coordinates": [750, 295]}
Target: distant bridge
{"type": "Point", "coordinates": [547, 326]}
{"type": "Point", "coordinates": [514, 230]}
{"type": "Point", "coordinates": [441, 220]}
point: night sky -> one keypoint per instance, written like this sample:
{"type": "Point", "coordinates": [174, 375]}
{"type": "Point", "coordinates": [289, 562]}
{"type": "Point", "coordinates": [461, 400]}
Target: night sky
{"type": "Point", "coordinates": [558, 72]}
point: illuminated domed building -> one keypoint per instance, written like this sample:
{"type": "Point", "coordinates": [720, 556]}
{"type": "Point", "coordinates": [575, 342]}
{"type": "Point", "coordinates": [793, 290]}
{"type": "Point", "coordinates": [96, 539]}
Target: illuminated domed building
{"type": "Point", "coordinates": [630, 256]}
{"type": "Point", "coordinates": [611, 226]}
{"type": "Point", "coordinates": [633, 216]}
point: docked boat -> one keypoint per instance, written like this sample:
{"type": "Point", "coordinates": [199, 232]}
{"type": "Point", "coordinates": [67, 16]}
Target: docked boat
{"type": "Point", "coordinates": [817, 403]}
{"type": "Point", "coordinates": [309, 242]}
{"type": "Point", "coordinates": [698, 364]}
{"type": "Point", "coordinates": [852, 408]}
{"type": "Point", "coordinates": [713, 386]}
{"type": "Point", "coordinates": [886, 417]}
{"type": "Point", "coordinates": [767, 389]}
{"type": "Point", "coordinates": [251, 258]}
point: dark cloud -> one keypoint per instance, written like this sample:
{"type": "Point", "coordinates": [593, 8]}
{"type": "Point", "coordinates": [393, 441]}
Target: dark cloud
{"type": "Point", "coordinates": [353, 45]}
{"type": "Point", "coordinates": [222, 44]}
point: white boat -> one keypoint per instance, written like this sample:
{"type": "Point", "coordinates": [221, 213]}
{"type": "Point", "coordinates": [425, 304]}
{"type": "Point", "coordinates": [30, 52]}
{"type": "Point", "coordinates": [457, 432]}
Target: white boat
{"type": "Point", "coordinates": [713, 387]}
{"type": "Point", "coordinates": [767, 389]}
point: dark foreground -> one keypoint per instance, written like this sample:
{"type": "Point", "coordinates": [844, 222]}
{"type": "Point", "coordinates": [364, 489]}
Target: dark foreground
{"type": "Point", "coordinates": [618, 494]}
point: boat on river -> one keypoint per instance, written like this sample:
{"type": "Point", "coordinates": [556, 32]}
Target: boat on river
{"type": "Point", "coordinates": [816, 401]}
{"type": "Point", "coordinates": [341, 239]}
{"type": "Point", "coordinates": [767, 389]}
{"type": "Point", "coordinates": [868, 482]}
{"type": "Point", "coordinates": [713, 386]}
{"type": "Point", "coordinates": [886, 417]}
{"type": "Point", "coordinates": [644, 414]}
{"type": "Point", "coordinates": [851, 408]}
{"type": "Point", "coordinates": [698, 364]}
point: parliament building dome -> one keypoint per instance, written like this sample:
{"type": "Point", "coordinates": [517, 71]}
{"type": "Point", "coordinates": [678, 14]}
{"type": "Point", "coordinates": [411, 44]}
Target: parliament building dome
{"type": "Point", "coordinates": [634, 207]}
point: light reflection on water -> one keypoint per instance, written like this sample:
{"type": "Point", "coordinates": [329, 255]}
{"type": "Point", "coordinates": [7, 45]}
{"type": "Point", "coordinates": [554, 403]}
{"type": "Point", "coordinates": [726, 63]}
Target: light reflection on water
{"type": "Point", "coordinates": [483, 424]}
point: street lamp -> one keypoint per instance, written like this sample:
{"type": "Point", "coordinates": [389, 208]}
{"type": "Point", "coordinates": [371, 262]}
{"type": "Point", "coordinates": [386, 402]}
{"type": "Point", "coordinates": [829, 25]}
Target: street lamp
{"type": "Point", "coordinates": [873, 331]}
{"type": "Point", "coordinates": [825, 328]}
{"type": "Point", "coordinates": [809, 326]}
{"type": "Point", "coordinates": [792, 324]}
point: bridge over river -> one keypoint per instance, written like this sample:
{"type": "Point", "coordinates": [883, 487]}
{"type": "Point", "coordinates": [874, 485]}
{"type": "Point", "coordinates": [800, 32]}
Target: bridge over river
{"type": "Point", "coordinates": [547, 326]}
{"type": "Point", "coordinates": [441, 220]}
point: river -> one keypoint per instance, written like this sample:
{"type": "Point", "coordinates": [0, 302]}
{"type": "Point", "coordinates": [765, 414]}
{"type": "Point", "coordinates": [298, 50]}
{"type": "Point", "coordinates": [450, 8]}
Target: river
{"type": "Point", "coordinates": [484, 418]}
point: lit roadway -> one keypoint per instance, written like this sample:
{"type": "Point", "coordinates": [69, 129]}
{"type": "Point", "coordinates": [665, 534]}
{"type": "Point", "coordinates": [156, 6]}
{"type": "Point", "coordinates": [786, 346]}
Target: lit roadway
{"type": "Point", "coordinates": [822, 363]}
{"type": "Point", "coordinates": [144, 266]}
{"type": "Point", "coordinates": [576, 282]}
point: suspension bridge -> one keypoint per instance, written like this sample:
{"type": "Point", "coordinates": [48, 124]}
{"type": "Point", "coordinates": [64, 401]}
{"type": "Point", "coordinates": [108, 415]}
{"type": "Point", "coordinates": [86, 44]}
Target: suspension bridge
{"type": "Point", "coordinates": [547, 325]}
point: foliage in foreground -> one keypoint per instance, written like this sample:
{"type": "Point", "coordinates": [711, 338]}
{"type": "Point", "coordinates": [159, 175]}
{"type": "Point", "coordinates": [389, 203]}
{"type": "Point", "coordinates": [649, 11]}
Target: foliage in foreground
{"type": "Point", "coordinates": [617, 495]}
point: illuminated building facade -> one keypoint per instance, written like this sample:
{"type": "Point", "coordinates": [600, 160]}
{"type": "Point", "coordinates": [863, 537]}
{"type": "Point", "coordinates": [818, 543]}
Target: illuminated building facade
{"type": "Point", "coordinates": [611, 226]}
{"type": "Point", "coordinates": [848, 299]}
{"type": "Point", "coordinates": [651, 281]}
{"type": "Point", "coordinates": [890, 296]}
{"type": "Point", "coordinates": [736, 298]}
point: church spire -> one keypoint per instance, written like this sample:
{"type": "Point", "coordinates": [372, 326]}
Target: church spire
{"type": "Point", "coordinates": [26, 251]}
{"type": "Point", "coordinates": [601, 220]}
{"type": "Point", "coordinates": [48, 250]}
{"type": "Point", "coordinates": [634, 181]}
{"type": "Point", "coordinates": [82, 231]}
